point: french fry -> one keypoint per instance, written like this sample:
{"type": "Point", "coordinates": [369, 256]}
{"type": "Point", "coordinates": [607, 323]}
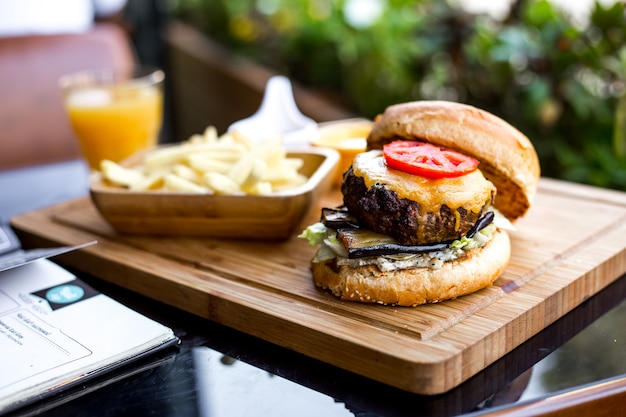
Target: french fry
{"type": "Point", "coordinates": [153, 181]}
{"type": "Point", "coordinates": [221, 184]}
{"type": "Point", "coordinates": [252, 182]}
{"type": "Point", "coordinates": [120, 175]}
{"type": "Point", "coordinates": [208, 163]}
{"type": "Point", "coordinates": [176, 183]}
{"type": "Point", "coordinates": [261, 188]}
{"type": "Point", "coordinates": [204, 163]}
{"type": "Point", "coordinates": [294, 163]}
{"type": "Point", "coordinates": [221, 152]}
{"type": "Point", "coordinates": [238, 137]}
{"type": "Point", "coordinates": [209, 136]}
{"type": "Point", "coordinates": [240, 170]}
{"type": "Point", "coordinates": [164, 157]}
{"type": "Point", "coordinates": [186, 172]}
{"type": "Point", "coordinates": [271, 151]}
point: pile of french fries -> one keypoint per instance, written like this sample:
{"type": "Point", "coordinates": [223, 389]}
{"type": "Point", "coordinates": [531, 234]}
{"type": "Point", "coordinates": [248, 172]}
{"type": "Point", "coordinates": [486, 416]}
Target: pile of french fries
{"type": "Point", "coordinates": [211, 164]}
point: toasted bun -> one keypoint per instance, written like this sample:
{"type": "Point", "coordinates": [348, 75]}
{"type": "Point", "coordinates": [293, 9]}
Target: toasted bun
{"type": "Point", "coordinates": [507, 157]}
{"type": "Point", "coordinates": [415, 286]}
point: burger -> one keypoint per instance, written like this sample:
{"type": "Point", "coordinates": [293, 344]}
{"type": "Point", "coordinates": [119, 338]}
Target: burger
{"type": "Point", "coordinates": [426, 208]}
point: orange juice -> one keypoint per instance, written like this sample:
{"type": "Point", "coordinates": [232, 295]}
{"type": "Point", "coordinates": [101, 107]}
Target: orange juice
{"type": "Point", "coordinates": [114, 114]}
{"type": "Point", "coordinates": [347, 137]}
{"type": "Point", "coordinates": [112, 125]}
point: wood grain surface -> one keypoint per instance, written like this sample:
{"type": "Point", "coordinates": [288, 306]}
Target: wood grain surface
{"type": "Point", "coordinates": [567, 248]}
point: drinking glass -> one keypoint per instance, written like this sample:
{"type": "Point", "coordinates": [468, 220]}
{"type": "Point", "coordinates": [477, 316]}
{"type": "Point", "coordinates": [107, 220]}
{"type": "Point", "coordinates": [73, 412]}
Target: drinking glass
{"type": "Point", "coordinates": [114, 114]}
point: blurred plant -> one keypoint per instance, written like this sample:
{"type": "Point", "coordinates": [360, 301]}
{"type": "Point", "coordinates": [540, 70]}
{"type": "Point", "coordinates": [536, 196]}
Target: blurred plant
{"type": "Point", "coordinates": [561, 84]}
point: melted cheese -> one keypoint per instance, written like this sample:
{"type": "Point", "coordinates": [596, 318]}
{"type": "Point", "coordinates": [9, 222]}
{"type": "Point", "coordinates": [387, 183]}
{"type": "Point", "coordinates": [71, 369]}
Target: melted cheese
{"type": "Point", "coordinates": [469, 191]}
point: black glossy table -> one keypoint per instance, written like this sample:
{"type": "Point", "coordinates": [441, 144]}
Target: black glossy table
{"type": "Point", "coordinates": [217, 371]}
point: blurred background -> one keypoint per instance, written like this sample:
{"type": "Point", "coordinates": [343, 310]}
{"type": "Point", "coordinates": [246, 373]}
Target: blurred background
{"type": "Point", "coordinates": [554, 69]}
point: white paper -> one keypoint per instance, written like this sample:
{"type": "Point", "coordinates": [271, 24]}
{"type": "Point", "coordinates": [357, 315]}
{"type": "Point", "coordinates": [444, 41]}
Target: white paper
{"type": "Point", "coordinates": [54, 329]}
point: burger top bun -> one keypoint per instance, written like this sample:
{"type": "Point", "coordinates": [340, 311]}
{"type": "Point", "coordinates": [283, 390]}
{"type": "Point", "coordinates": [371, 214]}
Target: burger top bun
{"type": "Point", "coordinates": [507, 157]}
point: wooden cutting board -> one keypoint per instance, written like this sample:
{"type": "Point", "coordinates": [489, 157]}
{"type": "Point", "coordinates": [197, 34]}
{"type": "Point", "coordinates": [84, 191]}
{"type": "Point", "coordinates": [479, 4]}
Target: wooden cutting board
{"type": "Point", "coordinates": [568, 247]}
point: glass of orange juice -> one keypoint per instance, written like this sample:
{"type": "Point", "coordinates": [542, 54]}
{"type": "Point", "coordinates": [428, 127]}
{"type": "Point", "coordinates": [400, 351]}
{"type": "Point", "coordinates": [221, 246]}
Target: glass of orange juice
{"type": "Point", "coordinates": [114, 114]}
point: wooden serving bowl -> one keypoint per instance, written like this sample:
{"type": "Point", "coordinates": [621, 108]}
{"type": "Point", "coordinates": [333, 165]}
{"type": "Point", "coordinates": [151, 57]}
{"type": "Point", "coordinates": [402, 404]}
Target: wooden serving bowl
{"type": "Point", "coordinates": [163, 213]}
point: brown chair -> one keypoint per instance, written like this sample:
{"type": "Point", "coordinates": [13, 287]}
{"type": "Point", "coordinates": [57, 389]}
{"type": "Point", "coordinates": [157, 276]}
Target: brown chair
{"type": "Point", "coordinates": [34, 128]}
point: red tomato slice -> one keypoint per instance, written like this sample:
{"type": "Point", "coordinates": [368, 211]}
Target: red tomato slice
{"type": "Point", "coordinates": [427, 160]}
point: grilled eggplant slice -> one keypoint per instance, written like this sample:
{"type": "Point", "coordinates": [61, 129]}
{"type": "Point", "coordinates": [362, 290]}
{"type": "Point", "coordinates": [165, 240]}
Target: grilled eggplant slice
{"type": "Point", "coordinates": [338, 218]}
{"type": "Point", "coordinates": [361, 243]}
{"type": "Point", "coordinates": [481, 224]}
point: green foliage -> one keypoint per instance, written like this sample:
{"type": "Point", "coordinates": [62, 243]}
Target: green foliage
{"type": "Point", "coordinates": [557, 82]}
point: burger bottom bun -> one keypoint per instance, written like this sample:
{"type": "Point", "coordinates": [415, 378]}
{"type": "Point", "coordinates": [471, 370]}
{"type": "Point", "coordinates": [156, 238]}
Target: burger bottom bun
{"type": "Point", "coordinates": [416, 286]}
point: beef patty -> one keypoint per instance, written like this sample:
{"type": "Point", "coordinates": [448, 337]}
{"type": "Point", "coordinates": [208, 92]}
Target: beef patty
{"type": "Point", "coordinates": [381, 209]}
